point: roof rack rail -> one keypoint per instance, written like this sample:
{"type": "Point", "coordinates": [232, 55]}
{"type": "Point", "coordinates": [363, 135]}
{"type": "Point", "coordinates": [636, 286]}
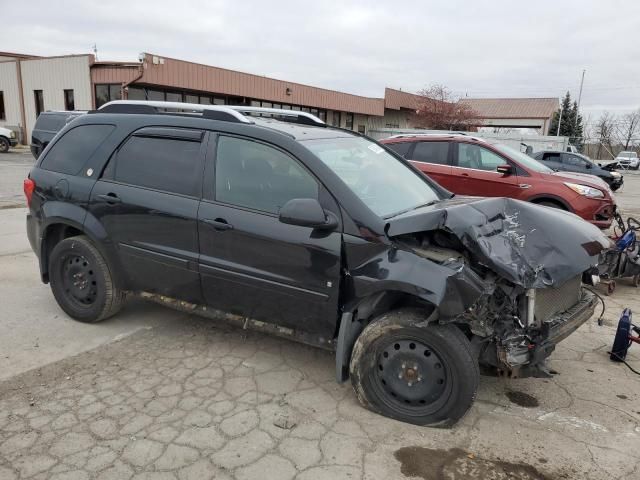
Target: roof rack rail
{"type": "Point", "coordinates": [230, 113]}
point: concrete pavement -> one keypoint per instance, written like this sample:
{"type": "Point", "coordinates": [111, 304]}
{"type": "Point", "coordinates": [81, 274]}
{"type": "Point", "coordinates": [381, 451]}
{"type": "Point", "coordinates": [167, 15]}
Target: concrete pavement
{"type": "Point", "coordinates": [156, 394]}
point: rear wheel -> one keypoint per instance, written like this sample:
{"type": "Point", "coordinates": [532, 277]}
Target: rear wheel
{"type": "Point", "coordinates": [4, 145]}
{"type": "Point", "coordinates": [81, 281]}
{"type": "Point", "coordinates": [425, 375]}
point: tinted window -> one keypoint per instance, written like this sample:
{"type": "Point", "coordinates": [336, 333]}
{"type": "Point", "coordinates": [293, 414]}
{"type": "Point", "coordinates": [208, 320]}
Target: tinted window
{"type": "Point", "coordinates": [50, 122]}
{"type": "Point", "coordinates": [70, 153]}
{"type": "Point", "coordinates": [431, 152]}
{"type": "Point", "coordinates": [160, 163]}
{"type": "Point", "coordinates": [254, 175]}
{"type": "Point", "coordinates": [480, 158]}
{"type": "Point", "coordinates": [2, 114]}
{"type": "Point", "coordinates": [551, 157]}
{"type": "Point", "coordinates": [400, 148]}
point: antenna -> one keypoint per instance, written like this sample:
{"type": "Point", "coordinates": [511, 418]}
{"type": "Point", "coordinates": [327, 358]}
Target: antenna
{"type": "Point", "coordinates": [95, 51]}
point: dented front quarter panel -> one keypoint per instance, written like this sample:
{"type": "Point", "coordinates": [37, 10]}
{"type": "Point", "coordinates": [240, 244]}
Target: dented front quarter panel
{"type": "Point", "coordinates": [527, 244]}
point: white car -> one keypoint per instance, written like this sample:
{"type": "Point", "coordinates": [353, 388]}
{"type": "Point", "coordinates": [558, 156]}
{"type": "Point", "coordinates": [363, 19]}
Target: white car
{"type": "Point", "coordinates": [8, 139]}
{"type": "Point", "coordinates": [628, 160]}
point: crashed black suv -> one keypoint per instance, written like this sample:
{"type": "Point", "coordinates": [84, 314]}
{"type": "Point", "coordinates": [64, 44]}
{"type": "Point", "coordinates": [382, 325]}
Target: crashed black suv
{"type": "Point", "coordinates": [274, 220]}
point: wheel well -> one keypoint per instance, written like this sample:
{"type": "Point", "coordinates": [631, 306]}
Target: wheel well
{"type": "Point", "coordinates": [53, 235]}
{"type": "Point", "coordinates": [558, 203]}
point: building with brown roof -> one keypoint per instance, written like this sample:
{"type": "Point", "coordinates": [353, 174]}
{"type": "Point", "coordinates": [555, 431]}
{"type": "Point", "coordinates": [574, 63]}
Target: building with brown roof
{"type": "Point", "coordinates": [535, 113]}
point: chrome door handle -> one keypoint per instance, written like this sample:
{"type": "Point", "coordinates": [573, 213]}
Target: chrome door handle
{"type": "Point", "coordinates": [524, 185]}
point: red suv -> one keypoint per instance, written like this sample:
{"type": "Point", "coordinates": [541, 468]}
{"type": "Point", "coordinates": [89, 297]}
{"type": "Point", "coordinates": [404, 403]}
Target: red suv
{"type": "Point", "coordinates": [468, 165]}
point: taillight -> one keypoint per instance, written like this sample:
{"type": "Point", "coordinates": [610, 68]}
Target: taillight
{"type": "Point", "coordinates": [29, 187]}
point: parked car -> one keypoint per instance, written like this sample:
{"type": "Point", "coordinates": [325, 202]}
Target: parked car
{"type": "Point", "coordinates": [467, 165]}
{"type": "Point", "coordinates": [575, 162]}
{"type": "Point", "coordinates": [8, 139]}
{"type": "Point", "coordinates": [48, 124]}
{"type": "Point", "coordinates": [628, 160]}
{"type": "Point", "coordinates": [289, 226]}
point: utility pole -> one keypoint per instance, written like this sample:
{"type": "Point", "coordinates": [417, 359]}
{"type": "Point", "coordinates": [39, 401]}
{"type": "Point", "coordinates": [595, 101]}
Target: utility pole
{"type": "Point", "coordinates": [575, 125]}
{"type": "Point", "coordinates": [560, 120]}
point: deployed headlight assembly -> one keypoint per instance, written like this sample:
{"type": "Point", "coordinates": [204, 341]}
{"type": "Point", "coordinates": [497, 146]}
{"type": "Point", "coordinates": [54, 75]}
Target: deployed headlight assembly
{"type": "Point", "coordinates": [585, 190]}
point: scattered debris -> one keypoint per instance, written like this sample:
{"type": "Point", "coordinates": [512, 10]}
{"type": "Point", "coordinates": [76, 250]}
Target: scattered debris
{"type": "Point", "coordinates": [285, 421]}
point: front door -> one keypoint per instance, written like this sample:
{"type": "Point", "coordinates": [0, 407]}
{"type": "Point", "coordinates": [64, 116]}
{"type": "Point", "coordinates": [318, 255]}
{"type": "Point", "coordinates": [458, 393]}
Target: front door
{"type": "Point", "coordinates": [475, 169]}
{"type": "Point", "coordinates": [147, 202]}
{"type": "Point", "coordinates": [253, 265]}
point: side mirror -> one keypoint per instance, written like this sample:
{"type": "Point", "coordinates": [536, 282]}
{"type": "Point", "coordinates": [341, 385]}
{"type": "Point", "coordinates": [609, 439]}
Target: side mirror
{"type": "Point", "coordinates": [307, 212]}
{"type": "Point", "coordinates": [504, 169]}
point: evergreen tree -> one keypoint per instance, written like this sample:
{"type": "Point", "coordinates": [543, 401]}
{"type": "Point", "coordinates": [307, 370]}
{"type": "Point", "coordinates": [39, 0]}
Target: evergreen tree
{"type": "Point", "coordinates": [571, 122]}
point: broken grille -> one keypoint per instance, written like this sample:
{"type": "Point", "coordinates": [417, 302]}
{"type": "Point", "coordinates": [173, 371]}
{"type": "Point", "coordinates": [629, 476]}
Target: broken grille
{"type": "Point", "coordinates": [551, 301]}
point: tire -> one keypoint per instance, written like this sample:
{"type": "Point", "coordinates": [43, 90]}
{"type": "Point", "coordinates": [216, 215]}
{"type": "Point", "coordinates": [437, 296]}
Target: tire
{"type": "Point", "coordinates": [81, 281]}
{"type": "Point", "coordinates": [437, 373]}
{"type": "Point", "coordinates": [4, 145]}
{"type": "Point", "coordinates": [547, 203]}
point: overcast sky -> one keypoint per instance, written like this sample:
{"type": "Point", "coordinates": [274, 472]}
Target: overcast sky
{"type": "Point", "coordinates": [476, 48]}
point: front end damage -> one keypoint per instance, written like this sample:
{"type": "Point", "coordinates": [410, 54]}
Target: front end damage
{"type": "Point", "coordinates": [525, 264]}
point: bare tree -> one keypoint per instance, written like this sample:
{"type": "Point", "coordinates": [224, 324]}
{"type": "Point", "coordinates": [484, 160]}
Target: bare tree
{"type": "Point", "coordinates": [627, 128]}
{"type": "Point", "coordinates": [440, 110]}
{"type": "Point", "coordinates": [604, 131]}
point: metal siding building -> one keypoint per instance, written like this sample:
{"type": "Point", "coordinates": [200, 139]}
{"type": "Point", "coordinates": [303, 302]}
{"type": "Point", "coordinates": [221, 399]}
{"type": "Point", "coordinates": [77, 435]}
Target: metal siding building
{"type": "Point", "coordinates": [53, 76]}
{"type": "Point", "coordinates": [10, 94]}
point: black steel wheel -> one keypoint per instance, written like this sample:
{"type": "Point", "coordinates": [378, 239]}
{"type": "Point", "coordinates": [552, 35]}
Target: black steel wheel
{"type": "Point", "coordinates": [4, 145]}
{"type": "Point", "coordinates": [426, 375]}
{"type": "Point", "coordinates": [81, 281]}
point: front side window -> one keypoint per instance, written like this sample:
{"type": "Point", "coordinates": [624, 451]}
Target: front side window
{"type": "Point", "coordinates": [432, 152]}
{"type": "Point", "coordinates": [69, 154]}
{"type": "Point", "coordinates": [477, 157]}
{"type": "Point", "coordinates": [383, 183]}
{"type": "Point", "coordinates": [160, 163]}
{"type": "Point", "coordinates": [254, 175]}
{"type": "Point", "coordinates": [575, 161]}
{"type": "Point", "coordinates": [522, 158]}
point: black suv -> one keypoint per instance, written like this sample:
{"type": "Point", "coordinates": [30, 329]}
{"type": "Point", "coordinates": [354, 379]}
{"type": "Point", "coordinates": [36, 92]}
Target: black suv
{"type": "Point", "coordinates": [47, 126]}
{"type": "Point", "coordinates": [575, 162]}
{"type": "Point", "coordinates": [276, 221]}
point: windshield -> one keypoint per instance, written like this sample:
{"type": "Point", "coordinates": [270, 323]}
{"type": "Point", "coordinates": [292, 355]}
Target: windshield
{"type": "Point", "coordinates": [381, 181]}
{"type": "Point", "coordinates": [523, 158]}
{"type": "Point", "coordinates": [628, 154]}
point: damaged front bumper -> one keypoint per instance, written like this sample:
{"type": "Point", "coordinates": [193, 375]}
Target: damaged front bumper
{"type": "Point", "coordinates": [524, 355]}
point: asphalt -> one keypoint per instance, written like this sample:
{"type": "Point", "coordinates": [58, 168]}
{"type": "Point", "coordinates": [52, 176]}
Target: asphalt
{"type": "Point", "coordinates": [154, 393]}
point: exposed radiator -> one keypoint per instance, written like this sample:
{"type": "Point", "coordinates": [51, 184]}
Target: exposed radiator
{"type": "Point", "coordinates": [551, 301]}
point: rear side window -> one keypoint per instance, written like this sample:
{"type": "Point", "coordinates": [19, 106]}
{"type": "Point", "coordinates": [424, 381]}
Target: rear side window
{"type": "Point", "coordinates": [50, 122]}
{"type": "Point", "coordinates": [401, 148]}
{"type": "Point", "coordinates": [254, 175]}
{"type": "Point", "coordinates": [432, 152]}
{"type": "Point", "coordinates": [160, 163]}
{"type": "Point", "coordinates": [551, 157]}
{"type": "Point", "coordinates": [69, 154]}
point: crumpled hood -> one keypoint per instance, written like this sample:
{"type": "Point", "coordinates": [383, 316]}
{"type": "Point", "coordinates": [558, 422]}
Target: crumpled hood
{"type": "Point", "coordinates": [527, 244]}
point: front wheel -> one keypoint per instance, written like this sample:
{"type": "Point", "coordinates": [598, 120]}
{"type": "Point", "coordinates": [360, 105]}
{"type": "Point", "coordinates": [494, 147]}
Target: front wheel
{"type": "Point", "coordinates": [81, 281]}
{"type": "Point", "coordinates": [420, 374]}
{"type": "Point", "coordinates": [4, 145]}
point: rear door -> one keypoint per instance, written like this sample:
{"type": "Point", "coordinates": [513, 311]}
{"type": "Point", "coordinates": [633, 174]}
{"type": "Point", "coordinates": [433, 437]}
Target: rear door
{"type": "Point", "coordinates": [434, 159]}
{"type": "Point", "coordinates": [475, 167]}
{"type": "Point", "coordinates": [147, 201]}
{"type": "Point", "coordinates": [252, 264]}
